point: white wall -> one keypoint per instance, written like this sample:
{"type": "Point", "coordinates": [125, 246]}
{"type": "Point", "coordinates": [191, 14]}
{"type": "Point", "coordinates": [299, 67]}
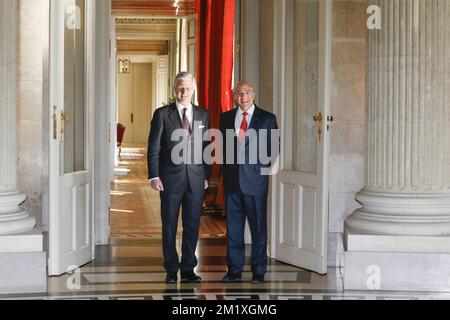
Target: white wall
{"type": "Point", "coordinates": [103, 162]}
{"type": "Point", "coordinates": [348, 109]}
{"type": "Point", "coordinates": [266, 16]}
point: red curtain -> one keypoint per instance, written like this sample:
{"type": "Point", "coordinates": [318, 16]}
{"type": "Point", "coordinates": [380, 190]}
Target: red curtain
{"type": "Point", "coordinates": [215, 35]}
{"type": "Point", "coordinates": [215, 46]}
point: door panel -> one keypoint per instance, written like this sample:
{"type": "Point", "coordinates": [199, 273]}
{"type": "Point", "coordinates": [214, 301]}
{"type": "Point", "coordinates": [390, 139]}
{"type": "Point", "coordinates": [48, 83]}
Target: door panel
{"type": "Point", "coordinates": [308, 198]}
{"type": "Point", "coordinates": [125, 103]}
{"type": "Point", "coordinates": [135, 102]}
{"type": "Point", "coordinates": [74, 86]}
{"type": "Point", "coordinates": [302, 199]}
{"type": "Point", "coordinates": [141, 102]}
{"type": "Point", "coordinates": [162, 80]}
{"type": "Point", "coordinates": [70, 236]}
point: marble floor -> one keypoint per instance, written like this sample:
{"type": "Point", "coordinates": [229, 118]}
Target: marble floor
{"type": "Point", "coordinates": [130, 267]}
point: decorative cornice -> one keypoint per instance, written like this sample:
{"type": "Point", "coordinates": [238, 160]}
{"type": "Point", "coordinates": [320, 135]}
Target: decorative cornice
{"type": "Point", "coordinates": [148, 21]}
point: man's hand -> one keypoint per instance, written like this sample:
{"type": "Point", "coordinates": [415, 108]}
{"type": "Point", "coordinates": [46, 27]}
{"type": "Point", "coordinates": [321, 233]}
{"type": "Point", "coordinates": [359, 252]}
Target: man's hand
{"type": "Point", "coordinates": [157, 185]}
{"type": "Point", "coordinates": [206, 184]}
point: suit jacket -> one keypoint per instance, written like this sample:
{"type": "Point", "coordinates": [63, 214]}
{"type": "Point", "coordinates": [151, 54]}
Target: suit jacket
{"type": "Point", "coordinates": [247, 177]}
{"type": "Point", "coordinates": [175, 176]}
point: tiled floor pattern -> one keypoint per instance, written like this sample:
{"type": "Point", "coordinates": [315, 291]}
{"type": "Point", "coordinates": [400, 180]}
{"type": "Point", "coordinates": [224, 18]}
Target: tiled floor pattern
{"type": "Point", "coordinates": [131, 270]}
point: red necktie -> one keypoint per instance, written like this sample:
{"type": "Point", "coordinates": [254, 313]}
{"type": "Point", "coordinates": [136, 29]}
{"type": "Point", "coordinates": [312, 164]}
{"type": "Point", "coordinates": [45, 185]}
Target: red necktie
{"type": "Point", "coordinates": [244, 128]}
{"type": "Point", "coordinates": [186, 124]}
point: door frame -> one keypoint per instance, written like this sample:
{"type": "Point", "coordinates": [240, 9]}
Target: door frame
{"type": "Point", "coordinates": [105, 120]}
{"type": "Point", "coordinates": [279, 77]}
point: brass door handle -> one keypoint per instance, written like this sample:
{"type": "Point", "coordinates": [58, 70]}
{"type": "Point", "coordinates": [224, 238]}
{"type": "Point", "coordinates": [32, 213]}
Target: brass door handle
{"type": "Point", "coordinates": [318, 119]}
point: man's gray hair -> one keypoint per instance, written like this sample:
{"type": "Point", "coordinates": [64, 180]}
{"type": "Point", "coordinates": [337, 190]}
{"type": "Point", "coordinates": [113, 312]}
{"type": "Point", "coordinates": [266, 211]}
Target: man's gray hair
{"type": "Point", "coordinates": [187, 76]}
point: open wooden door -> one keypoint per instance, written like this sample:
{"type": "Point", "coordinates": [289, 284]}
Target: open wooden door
{"type": "Point", "coordinates": [70, 163]}
{"type": "Point", "coordinates": [301, 214]}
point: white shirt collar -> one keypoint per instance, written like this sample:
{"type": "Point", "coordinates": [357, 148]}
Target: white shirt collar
{"type": "Point", "coordinates": [249, 112]}
{"type": "Point", "coordinates": [181, 107]}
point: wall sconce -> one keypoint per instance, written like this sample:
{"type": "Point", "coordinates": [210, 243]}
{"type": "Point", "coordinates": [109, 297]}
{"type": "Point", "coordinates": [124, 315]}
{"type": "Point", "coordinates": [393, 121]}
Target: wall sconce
{"type": "Point", "coordinates": [124, 65]}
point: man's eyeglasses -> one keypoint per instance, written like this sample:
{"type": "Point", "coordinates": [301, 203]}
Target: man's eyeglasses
{"type": "Point", "coordinates": [243, 93]}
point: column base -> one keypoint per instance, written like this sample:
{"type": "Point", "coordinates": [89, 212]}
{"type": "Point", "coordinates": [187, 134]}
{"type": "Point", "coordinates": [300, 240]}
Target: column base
{"type": "Point", "coordinates": [396, 263]}
{"type": "Point", "coordinates": [23, 263]}
{"type": "Point", "coordinates": [401, 214]}
{"type": "Point", "coordinates": [14, 219]}
{"type": "Point", "coordinates": [358, 242]}
{"type": "Point", "coordinates": [387, 271]}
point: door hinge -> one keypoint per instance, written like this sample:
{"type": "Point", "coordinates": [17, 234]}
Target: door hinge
{"type": "Point", "coordinates": [55, 123]}
{"type": "Point", "coordinates": [330, 119]}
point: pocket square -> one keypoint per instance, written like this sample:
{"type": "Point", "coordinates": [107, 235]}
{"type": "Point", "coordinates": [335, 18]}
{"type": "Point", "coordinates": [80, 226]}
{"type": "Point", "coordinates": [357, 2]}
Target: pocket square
{"type": "Point", "coordinates": [201, 127]}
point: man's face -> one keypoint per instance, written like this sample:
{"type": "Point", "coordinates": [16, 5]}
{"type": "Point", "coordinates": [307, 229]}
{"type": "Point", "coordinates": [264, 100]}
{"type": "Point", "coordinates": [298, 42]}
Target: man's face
{"type": "Point", "coordinates": [244, 96]}
{"type": "Point", "coordinates": [184, 90]}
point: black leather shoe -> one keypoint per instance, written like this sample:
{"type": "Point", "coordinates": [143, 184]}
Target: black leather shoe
{"type": "Point", "coordinates": [232, 277]}
{"type": "Point", "coordinates": [190, 277]}
{"type": "Point", "coordinates": [171, 277]}
{"type": "Point", "coordinates": [258, 278]}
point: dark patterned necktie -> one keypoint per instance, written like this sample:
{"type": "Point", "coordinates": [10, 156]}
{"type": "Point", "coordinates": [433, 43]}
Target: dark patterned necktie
{"type": "Point", "coordinates": [186, 125]}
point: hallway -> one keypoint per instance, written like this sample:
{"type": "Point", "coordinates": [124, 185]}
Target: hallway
{"type": "Point", "coordinates": [135, 212]}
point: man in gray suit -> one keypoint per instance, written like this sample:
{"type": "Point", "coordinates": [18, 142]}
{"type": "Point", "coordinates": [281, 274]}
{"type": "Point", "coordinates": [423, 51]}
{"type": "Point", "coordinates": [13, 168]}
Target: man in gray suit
{"type": "Point", "coordinates": [180, 184]}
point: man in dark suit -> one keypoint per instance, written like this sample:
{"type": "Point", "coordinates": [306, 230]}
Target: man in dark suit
{"type": "Point", "coordinates": [245, 183]}
{"type": "Point", "coordinates": [180, 179]}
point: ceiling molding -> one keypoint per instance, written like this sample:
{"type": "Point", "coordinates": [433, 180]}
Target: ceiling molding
{"type": "Point", "coordinates": [153, 8]}
{"type": "Point", "coordinates": [155, 47]}
{"type": "Point", "coordinates": [146, 21]}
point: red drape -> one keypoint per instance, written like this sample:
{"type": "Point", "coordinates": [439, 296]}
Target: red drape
{"type": "Point", "coordinates": [215, 46]}
{"type": "Point", "coordinates": [215, 34]}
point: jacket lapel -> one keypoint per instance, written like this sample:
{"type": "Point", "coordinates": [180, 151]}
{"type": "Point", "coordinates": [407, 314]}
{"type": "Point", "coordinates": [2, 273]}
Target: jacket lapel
{"type": "Point", "coordinates": [255, 119]}
{"type": "Point", "coordinates": [175, 117]}
{"type": "Point", "coordinates": [253, 124]}
{"type": "Point", "coordinates": [232, 120]}
{"type": "Point", "coordinates": [196, 116]}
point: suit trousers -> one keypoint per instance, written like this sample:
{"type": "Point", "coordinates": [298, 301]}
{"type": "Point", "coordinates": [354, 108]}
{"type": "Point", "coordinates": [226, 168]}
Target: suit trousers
{"type": "Point", "coordinates": [254, 208]}
{"type": "Point", "coordinates": [191, 211]}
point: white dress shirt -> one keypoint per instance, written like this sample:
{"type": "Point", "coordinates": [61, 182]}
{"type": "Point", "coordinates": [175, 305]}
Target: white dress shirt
{"type": "Point", "coordinates": [240, 117]}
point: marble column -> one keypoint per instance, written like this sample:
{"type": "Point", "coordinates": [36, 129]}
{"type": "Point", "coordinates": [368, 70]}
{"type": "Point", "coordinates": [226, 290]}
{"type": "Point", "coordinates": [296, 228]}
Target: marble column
{"type": "Point", "coordinates": [13, 219]}
{"type": "Point", "coordinates": [407, 180]}
{"type": "Point", "coordinates": [400, 238]}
